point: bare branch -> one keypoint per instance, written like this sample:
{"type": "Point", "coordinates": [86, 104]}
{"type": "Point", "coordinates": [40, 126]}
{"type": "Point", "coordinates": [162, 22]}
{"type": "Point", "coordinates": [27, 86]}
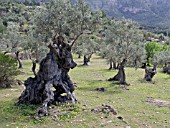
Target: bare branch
{"type": "Point", "coordinates": [76, 39]}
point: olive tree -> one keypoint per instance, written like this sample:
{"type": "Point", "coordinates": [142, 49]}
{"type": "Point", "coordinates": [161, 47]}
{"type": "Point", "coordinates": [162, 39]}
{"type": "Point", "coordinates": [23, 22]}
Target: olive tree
{"type": "Point", "coordinates": [63, 23]}
{"type": "Point", "coordinates": [11, 40]}
{"type": "Point", "coordinates": [163, 58]}
{"type": "Point", "coordinates": [126, 45]}
{"type": "Point", "coordinates": [87, 45]}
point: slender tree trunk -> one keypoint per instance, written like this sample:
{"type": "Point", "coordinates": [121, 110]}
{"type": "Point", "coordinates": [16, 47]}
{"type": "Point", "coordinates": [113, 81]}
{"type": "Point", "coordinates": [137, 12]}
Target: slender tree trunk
{"type": "Point", "coordinates": [115, 66]}
{"type": "Point", "coordinates": [18, 59]}
{"type": "Point", "coordinates": [37, 56]}
{"type": "Point", "coordinates": [34, 67]}
{"type": "Point", "coordinates": [111, 66]}
{"type": "Point", "coordinates": [85, 61]}
{"type": "Point", "coordinates": [79, 55]}
{"type": "Point", "coordinates": [27, 55]}
{"type": "Point", "coordinates": [89, 57]}
{"type": "Point", "coordinates": [147, 60]}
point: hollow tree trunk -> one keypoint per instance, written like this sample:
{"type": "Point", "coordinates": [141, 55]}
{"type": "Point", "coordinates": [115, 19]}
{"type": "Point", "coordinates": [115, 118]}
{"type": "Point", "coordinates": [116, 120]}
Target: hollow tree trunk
{"type": "Point", "coordinates": [18, 59]}
{"type": "Point", "coordinates": [53, 73]}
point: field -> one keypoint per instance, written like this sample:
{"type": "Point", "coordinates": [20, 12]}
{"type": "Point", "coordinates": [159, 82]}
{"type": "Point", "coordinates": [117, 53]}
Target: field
{"type": "Point", "coordinates": [132, 109]}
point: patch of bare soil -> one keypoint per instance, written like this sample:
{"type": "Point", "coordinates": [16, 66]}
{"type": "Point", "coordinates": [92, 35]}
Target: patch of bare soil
{"type": "Point", "coordinates": [160, 103]}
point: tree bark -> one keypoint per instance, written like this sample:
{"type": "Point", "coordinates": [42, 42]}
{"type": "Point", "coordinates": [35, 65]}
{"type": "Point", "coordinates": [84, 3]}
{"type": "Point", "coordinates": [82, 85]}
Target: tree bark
{"type": "Point", "coordinates": [37, 60]}
{"type": "Point", "coordinates": [34, 67]}
{"type": "Point", "coordinates": [115, 66]}
{"type": "Point", "coordinates": [111, 66]}
{"type": "Point", "coordinates": [143, 65]}
{"type": "Point", "coordinates": [18, 59]}
{"type": "Point", "coordinates": [120, 76]}
{"type": "Point", "coordinates": [79, 55]}
{"type": "Point", "coordinates": [53, 73]}
{"type": "Point", "coordinates": [85, 61]}
{"type": "Point", "coordinates": [149, 73]}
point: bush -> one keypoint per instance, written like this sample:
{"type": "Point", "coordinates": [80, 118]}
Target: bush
{"type": "Point", "coordinates": [8, 69]}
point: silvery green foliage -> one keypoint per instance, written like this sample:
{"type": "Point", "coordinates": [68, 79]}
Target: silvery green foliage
{"type": "Point", "coordinates": [66, 19]}
{"type": "Point", "coordinates": [35, 43]}
{"type": "Point", "coordinates": [11, 39]}
{"type": "Point", "coordinates": [125, 41]}
{"type": "Point", "coordinates": [86, 44]}
{"type": "Point", "coordinates": [162, 57]}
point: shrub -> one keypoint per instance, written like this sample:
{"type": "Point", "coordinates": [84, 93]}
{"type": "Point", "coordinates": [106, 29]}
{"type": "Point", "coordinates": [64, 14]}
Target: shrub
{"type": "Point", "coordinates": [8, 69]}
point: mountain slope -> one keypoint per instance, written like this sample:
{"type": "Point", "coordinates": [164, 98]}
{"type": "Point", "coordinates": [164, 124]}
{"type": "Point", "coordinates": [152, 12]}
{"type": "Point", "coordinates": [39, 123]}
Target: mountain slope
{"type": "Point", "coordinates": [149, 12]}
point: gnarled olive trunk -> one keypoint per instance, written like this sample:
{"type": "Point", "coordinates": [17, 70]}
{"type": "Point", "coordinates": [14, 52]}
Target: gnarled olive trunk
{"type": "Point", "coordinates": [120, 76]}
{"type": "Point", "coordinates": [53, 73]}
{"type": "Point", "coordinates": [149, 73]}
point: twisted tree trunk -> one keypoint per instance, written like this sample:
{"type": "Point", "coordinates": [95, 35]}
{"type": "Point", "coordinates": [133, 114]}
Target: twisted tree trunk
{"type": "Point", "coordinates": [120, 76]}
{"type": "Point", "coordinates": [149, 73]}
{"type": "Point", "coordinates": [18, 59]}
{"type": "Point", "coordinates": [53, 73]}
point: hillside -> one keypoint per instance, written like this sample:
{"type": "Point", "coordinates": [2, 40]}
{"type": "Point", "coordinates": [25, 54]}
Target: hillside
{"type": "Point", "coordinates": [148, 12]}
{"type": "Point", "coordinates": [154, 13]}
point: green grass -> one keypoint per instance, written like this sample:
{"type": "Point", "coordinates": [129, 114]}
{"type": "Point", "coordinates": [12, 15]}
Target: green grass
{"type": "Point", "coordinates": [130, 104]}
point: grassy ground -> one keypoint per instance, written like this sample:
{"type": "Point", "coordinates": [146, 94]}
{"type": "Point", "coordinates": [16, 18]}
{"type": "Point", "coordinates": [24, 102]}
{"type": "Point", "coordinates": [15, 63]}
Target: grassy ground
{"type": "Point", "coordinates": [129, 104]}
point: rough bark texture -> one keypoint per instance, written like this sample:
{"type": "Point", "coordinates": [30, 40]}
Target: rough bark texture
{"type": "Point", "coordinates": [34, 67]}
{"type": "Point", "coordinates": [53, 73]}
{"type": "Point", "coordinates": [149, 73]}
{"type": "Point", "coordinates": [120, 76]}
{"type": "Point", "coordinates": [18, 59]}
